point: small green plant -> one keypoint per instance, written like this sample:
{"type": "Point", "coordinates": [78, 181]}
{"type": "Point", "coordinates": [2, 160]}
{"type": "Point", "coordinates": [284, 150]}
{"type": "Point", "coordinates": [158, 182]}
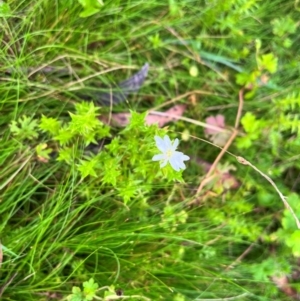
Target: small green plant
{"type": "Point", "coordinates": [266, 64]}
{"type": "Point", "coordinates": [87, 294]}
{"type": "Point", "coordinates": [5, 10]}
{"type": "Point", "coordinates": [84, 203]}
{"type": "Point", "coordinates": [90, 7]}
{"type": "Point", "coordinates": [90, 290]}
{"type": "Point", "coordinates": [131, 150]}
{"type": "Point", "coordinates": [25, 128]}
{"type": "Point", "coordinates": [289, 234]}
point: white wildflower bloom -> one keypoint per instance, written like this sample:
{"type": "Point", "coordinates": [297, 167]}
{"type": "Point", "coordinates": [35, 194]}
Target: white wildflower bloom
{"type": "Point", "coordinates": [169, 153]}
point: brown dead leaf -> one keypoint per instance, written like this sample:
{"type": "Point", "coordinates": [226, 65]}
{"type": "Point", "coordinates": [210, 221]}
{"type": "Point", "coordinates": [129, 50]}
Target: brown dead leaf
{"type": "Point", "coordinates": [282, 283]}
{"type": "Point", "coordinates": [193, 99]}
{"type": "Point", "coordinates": [217, 121]}
{"type": "Point", "coordinates": [223, 178]}
{"type": "Point", "coordinates": [217, 137]}
{"type": "Point", "coordinates": [161, 118]}
{"type": "Point", "coordinates": [116, 119]}
{"type": "Point", "coordinates": [42, 159]}
{"type": "Point", "coordinates": [264, 79]}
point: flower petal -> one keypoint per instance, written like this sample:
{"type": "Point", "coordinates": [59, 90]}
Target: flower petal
{"type": "Point", "coordinates": [181, 165]}
{"type": "Point", "coordinates": [169, 153]}
{"type": "Point", "coordinates": [177, 159]}
{"type": "Point", "coordinates": [175, 144]}
{"type": "Point", "coordinates": [160, 143]}
{"type": "Point", "coordinates": [168, 142]}
{"type": "Point", "coordinates": [158, 157]}
{"type": "Point", "coordinates": [178, 155]}
{"type": "Point", "coordinates": [185, 157]}
{"type": "Point", "coordinates": [163, 163]}
{"type": "Point", "coordinates": [175, 163]}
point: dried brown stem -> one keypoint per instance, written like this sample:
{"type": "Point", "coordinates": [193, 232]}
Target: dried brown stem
{"type": "Point", "coordinates": [228, 143]}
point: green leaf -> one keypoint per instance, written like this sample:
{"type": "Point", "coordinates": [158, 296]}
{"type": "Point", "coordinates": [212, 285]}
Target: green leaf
{"type": "Point", "coordinates": [90, 289]}
{"type": "Point", "coordinates": [174, 8]}
{"type": "Point", "coordinates": [66, 154]}
{"type": "Point", "coordinates": [76, 294]}
{"type": "Point", "coordinates": [103, 131]}
{"type": "Point", "coordinates": [86, 123]}
{"type": "Point", "coordinates": [5, 10]}
{"type": "Point", "coordinates": [248, 79]}
{"type": "Point", "coordinates": [88, 12]}
{"type": "Point", "coordinates": [64, 136]}
{"type": "Point", "coordinates": [269, 267]}
{"type": "Point", "coordinates": [42, 151]}
{"type": "Point", "coordinates": [179, 297]}
{"type": "Point", "coordinates": [91, 7]}
{"type": "Point", "coordinates": [14, 128]}
{"type": "Point", "coordinates": [50, 125]}
{"type": "Point", "coordinates": [156, 41]}
{"type": "Point", "coordinates": [111, 171]}
{"type": "Point", "coordinates": [137, 121]}
{"type": "Point", "coordinates": [87, 167]}
{"type": "Point", "coordinates": [83, 124]}
{"type": "Point", "coordinates": [293, 241]}
{"type": "Point", "coordinates": [114, 146]}
{"type": "Point", "coordinates": [90, 137]}
{"type": "Point", "coordinates": [268, 62]}
{"type": "Point", "coordinates": [283, 26]}
{"type": "Point", "coordinates": [87, 108]}
{"type": "Point", "coordinates": [24, 128]}
{"type": "Point", "coordinates": [250, 123]}
{"type": "Point", "coordinates": [111, 292]}
{"type": "Point", "coordinates": [288, 221]}
{"type": "Point", "coordinates": [129, 189]}
{"type": "Point", "coordinates": [287, 43]}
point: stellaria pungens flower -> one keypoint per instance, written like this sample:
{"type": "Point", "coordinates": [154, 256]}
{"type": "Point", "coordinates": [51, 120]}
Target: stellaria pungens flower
{"type": "Point", "coordinates": [169, 153]}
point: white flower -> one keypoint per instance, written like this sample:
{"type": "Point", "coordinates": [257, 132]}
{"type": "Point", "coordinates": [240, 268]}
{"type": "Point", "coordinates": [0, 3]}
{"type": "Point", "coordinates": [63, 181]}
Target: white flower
{"type": "Point", "coordinates": [169, 153]}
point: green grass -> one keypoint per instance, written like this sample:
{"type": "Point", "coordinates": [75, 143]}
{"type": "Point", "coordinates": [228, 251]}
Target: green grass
{"type": "Point", "coordinates": [59, 230]}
